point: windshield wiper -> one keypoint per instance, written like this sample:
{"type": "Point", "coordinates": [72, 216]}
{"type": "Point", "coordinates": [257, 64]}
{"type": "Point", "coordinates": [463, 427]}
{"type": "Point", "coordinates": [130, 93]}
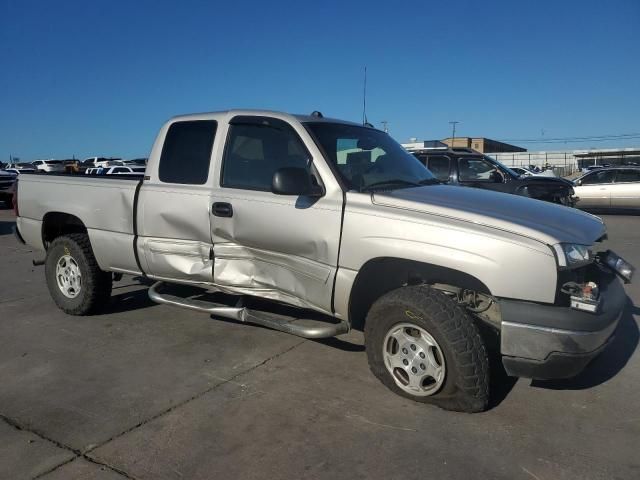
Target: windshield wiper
{"type": "Point", "coordinates": [388, 183]}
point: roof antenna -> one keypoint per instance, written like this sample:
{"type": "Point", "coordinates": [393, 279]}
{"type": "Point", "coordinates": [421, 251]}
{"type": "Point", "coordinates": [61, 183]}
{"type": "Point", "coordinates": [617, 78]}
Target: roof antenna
{"type": "Point", "coordinates": [364, 98]}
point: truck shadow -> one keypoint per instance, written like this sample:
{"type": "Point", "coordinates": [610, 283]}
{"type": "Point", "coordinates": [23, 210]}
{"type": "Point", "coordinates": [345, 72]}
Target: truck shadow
{"type": "Point", "coordinates": [608, 364]}
{"type": "Point", "coordinates": [130, 300]}
{"type": "Point", "coordinates": [6, 228]}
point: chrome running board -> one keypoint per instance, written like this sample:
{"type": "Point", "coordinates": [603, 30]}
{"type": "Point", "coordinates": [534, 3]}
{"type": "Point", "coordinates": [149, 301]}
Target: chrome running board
{"type": "Point", "coordinates": [302, 327]}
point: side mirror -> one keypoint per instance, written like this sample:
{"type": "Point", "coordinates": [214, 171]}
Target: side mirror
{"type": "Point", "coordinates": [294, 181]}
{"type": "Point", "coordinates": [578, 182]}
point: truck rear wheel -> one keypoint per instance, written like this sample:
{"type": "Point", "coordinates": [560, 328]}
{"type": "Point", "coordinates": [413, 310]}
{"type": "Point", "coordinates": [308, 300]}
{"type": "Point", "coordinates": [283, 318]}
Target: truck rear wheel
{"type": "Point", "coordinates": [75, 280]}
{"type": "Point", "coordinates": [422, 345]}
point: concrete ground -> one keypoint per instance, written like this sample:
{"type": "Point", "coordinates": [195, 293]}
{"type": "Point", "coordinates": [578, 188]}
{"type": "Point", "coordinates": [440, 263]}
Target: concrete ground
{"type": "Point", "coordinates": [151, 392]}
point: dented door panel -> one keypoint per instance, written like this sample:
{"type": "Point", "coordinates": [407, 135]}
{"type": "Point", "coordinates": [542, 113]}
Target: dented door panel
{"type": "Point", "coordinates": [175, 236]}
{"type": "Point", "coordinates": [285, 247]}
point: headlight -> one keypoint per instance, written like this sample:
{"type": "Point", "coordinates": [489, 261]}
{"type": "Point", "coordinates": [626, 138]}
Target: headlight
{"type": "Point", "coordinates": [572, 255]}
{"type": "Point", "coordinates": [618, 264]}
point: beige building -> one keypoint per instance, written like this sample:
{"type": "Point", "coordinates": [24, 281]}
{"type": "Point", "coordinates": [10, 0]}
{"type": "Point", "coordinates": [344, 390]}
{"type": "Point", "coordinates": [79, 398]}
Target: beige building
{"type": "Point", "coordinates": [482, 145]}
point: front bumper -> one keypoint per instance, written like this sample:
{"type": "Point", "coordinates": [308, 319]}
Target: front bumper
{"type": "Point", "coordinates": [549, 341]}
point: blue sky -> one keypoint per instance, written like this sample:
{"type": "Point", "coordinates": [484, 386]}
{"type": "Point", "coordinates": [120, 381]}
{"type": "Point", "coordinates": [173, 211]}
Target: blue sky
{"type": "Point", "coordinates": [99, 77]}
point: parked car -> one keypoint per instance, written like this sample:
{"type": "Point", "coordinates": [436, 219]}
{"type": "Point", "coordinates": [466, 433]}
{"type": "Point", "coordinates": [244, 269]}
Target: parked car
{"type": "Point", "coordinates": [49, 166]}
{"type": "Point", "coordinates": [612, 187]}
{"type": "Point", "coordinates": [522, 171]}
{"type": "Point", "coordinates": [466, 167]}
{"type": "Point", "coordinates": [7, 180]}
{"type": "Point", "coordinates": [136, 162]}
{"type": "Point", "coordinates": [73, 166]}
{"type": "Point", "coordinates": [338, 222]}
{"type": "Point", "coordinates": [125, 171]}
{"type": "Point", "coordinates": [103, 161]}
{"type": "Point", "coordinates": [22, 166]}
{"type": "Point", "coordinates": [20, 170]}
{"type": "Point", "coordinates": [102, 168]}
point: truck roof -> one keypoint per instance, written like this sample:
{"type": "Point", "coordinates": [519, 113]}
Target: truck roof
{"type": "Point", "coordinates": [255, 112]}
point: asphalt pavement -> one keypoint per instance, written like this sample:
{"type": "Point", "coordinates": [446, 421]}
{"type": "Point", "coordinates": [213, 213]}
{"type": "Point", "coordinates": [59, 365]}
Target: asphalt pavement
{"type": "Point", "coordinates": [148, 391]}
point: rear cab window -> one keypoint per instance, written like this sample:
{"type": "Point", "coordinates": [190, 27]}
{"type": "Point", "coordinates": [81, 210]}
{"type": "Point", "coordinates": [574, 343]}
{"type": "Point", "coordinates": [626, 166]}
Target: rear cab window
{"type": "Point", "coordinates": [186, 153]}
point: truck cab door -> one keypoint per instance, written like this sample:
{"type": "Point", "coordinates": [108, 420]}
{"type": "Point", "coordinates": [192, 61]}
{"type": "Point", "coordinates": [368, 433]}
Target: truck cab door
{"type": "Point", "coordinates": [173, 205]}
{"type": "Point", "coordinates": [480, 173]}
{"type": "Point", "coordinates": [282, 247]}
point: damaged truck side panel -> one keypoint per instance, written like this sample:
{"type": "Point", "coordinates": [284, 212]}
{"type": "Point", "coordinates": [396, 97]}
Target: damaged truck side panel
{"type": "Point", "coordinates": [339, 223]}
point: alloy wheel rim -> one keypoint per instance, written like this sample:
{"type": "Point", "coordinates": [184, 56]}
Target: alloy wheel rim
{"type": "Point", "coordinates": [68, 276]}
{"type": "Point", "coordinates": [414, 359]}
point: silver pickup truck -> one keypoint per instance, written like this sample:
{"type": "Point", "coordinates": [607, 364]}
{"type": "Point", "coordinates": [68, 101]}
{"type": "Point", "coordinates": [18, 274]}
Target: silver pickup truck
{"type": "Point", "coordinates": [313, 226]}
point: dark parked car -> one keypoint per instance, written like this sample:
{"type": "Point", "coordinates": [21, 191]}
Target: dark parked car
{"type": "Point", "coordinates": [7, 180]}
{"type": "Point", "coordinates": [463, 166]}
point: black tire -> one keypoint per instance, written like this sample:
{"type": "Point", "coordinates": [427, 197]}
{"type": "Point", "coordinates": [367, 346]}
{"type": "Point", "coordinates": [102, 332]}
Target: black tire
{"type": "Point", "coordinates": [466, 380]}
{"type": "Point", "coordinates": [95, 290]}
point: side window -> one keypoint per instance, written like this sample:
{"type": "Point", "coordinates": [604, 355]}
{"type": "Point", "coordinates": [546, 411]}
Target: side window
{"type": "Point", "coordinates": [256, 149]}
{"type": "Point", "coordinates": [595, 178]}
{"type": "Point", "coordinates": [627, 176]}
{"type": "Point", "coordinates": [440, 166]}
{"type": "Point", "coordinates": [475, 169]}
{"type": "Point", "coordinates": [186, 152]}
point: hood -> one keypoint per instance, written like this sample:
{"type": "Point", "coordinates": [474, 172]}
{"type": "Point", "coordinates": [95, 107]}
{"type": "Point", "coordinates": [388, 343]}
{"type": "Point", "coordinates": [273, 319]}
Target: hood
{"type": "Point", "coordinates": [543, 221]}
{"type": "Point", "coordinates": [7, 175]}
{"type": "Point", "coordinates": [547, 180]}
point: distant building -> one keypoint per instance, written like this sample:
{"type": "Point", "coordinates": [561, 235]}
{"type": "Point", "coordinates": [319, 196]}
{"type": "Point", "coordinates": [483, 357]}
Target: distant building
{"type": "Point", "coordinates": [482, 145]}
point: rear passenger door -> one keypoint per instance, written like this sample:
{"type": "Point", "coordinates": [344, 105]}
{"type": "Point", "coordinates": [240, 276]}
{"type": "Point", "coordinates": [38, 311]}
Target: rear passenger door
{"type": "Point", "coordinates": [594, 190]}
{"type": "Point", "coordinates": [625, 192]}
{"type": "Point", "coordinates": [276, 246]}
{"type": "Point", "coordinates": [173, 205]}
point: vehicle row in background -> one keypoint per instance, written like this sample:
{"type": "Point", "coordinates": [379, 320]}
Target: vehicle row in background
{"type": "Point", "coordinates": [533, 172]}
{"type": "Point", "coordinates": [609, 187]}
{"type": "Point", "coordinates": [74, 166]}
{"type": "Point", "coordinates": [466, 167]}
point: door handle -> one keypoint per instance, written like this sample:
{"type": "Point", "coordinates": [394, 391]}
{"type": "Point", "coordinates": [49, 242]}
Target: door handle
{"type": "Point", "coordinates": [222, 209]}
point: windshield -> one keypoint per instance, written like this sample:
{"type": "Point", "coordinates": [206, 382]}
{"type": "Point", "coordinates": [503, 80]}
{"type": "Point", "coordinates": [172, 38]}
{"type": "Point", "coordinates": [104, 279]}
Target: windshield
{"type": "Point", "coordinates": [366, 158]}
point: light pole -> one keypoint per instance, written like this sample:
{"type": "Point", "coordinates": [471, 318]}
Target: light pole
{"type": "Point", "coordinates": [453, 134]}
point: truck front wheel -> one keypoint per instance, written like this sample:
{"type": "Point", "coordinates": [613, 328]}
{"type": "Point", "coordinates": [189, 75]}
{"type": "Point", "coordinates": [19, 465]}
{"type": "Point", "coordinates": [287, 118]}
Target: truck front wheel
{"type": "Point", "coordinates": [75, 280]}
{"type": "Point", "coordinates": [422, 345]}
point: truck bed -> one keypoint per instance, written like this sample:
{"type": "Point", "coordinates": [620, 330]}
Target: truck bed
{"type": "Point", "coordinates": [104, 205]}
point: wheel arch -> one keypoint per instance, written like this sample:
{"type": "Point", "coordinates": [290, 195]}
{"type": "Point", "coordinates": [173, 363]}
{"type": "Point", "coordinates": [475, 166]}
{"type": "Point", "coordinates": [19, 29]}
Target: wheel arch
{"type": "Point", "coordinates": [384, 274]}
{"type": "Point", "coordinates": [56, 224]}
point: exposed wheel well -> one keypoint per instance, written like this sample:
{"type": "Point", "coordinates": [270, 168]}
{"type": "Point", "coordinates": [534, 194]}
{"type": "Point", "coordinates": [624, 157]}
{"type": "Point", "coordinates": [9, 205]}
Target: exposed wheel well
{"type": "Point", "coordinates": [55, 224]}
{"type": "Point", "coordinates": [381, 275]}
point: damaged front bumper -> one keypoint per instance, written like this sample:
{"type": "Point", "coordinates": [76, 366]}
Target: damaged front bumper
{"type": "Point", "coordinates": [550, 341]}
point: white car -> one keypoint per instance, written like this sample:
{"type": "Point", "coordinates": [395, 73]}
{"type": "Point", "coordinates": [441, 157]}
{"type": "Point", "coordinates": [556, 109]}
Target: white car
{"type": "Point", "coordinates": [102, 161]}
{"type": "Point", "coordinates": [49, 166]}
{"type": "Point", "coordinates": [616, 187]}
{"type": "Point", "coordinates": [19, 168]}
{"type": "Point", "coordinates": [103, 168]}
{"type": "Point", "coordinates": [126, 171]}
{"type": "Point", "coordinates": [529, 173]}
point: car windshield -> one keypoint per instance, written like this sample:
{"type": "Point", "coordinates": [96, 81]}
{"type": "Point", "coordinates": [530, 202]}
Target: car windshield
{"type": "Point", "coordinates": [369, 159]}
